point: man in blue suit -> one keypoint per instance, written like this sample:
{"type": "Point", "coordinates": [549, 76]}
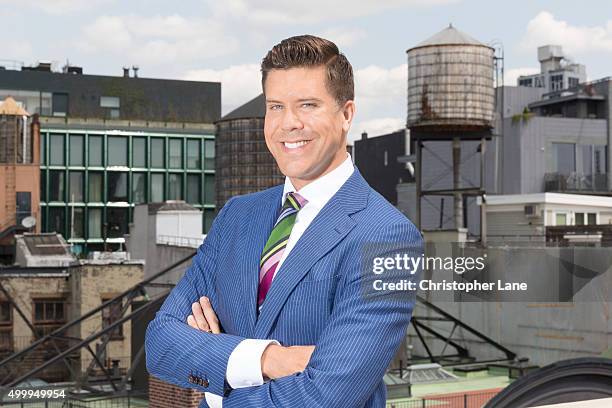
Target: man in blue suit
{"type": "Point", "coordinates": [281, 306]}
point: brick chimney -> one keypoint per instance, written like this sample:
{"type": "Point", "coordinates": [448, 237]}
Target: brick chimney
{"type": "Point", "coordinates": [166, 395]}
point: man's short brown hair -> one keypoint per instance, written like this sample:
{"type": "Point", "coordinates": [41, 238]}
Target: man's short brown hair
{"type": "Point", "coordinates": [310, 51]}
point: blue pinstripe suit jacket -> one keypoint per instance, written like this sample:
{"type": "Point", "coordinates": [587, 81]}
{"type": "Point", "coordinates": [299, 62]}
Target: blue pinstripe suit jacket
{"type": "Point", "coordinates": [316, 298]}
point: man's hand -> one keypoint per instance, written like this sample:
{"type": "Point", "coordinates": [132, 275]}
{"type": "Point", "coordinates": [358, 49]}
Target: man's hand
{"type": "Point", "coordinates": [204, 317]}
{"type": "Point", "coordinates": [278, 361]}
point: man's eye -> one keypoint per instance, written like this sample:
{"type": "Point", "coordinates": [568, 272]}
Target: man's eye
{"type": "Point", "coordinates": [308, 105]}
{"type": "Point", "coordinates": [275, 107]}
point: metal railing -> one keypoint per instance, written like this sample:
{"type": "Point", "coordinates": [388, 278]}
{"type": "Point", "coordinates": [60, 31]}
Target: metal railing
{"type": "Point", "coordinates": [123, 400]}
{"type": "Point", "coordinates": [189, 242]}
{"type": "Point", "coordinates": [556, 182]}
{"type": "Point", "coordinates": [476, 399]}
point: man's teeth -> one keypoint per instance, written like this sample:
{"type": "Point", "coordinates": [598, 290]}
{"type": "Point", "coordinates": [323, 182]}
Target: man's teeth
{"type": "Point", "coordinates": [295, 145]}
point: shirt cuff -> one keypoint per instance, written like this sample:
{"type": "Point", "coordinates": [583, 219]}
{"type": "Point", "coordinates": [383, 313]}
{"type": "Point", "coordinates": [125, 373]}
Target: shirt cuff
{"type": "Point", "coordinates": [213, 400]}
{"type": "Point", "coordinates": [244, 364]}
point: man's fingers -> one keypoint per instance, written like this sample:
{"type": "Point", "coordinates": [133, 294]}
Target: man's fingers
{"type": "Point", "coordinates": [191, 322]}
{"type": "Point", "coordinates": [210, 315]}
{"type": "Point", "coordinates": [199, 316]}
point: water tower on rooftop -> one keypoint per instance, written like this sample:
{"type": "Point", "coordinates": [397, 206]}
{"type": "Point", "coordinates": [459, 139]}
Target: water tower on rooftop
{"type": "Point", "coordinates": [451, 98]}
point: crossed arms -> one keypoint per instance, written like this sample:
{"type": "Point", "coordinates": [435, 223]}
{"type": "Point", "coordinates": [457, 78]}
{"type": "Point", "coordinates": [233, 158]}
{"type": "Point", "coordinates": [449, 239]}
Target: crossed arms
{"type": "Point", "coordinates": [349, 359]}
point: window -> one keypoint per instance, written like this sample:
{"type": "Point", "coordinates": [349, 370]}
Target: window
{"type": "Point", "coordinates": [77, 228]}
{"type": "Point", "coordinates": [59, 104]}
{"type": "Point", "coordinates": [563, 158]}
{"type": "Point", "coordinates": [586, 218]}
{"type": "Point", "coordinates": [117, 187]}
{"type": "Point", "coordinates": [157, 188]}
{"type": "Point", "coordinates": [49, 314]}
{"type": "Point", "coordinates": [139, 152]}
{"type": "Point", "coordinates": [586, 158]}
{"type": "Point", "coordinates": [525, 82]}
{"type": "Point", "coordinates": [556, 82]}
{"type": "Point", "coordinates": [209, 154]}
{"type": "Point", "coordinates": [23, 202]}
{"type": "Point", "coordinates": [76, 187]}
{"type": "Point", "coordinates": [157, 153]}
{"type": "Point", "coordinates": [110, 102]}
{"type": "Point", "coordinates": [95, 223]}
{"type": "Point", "coordinates": [76, 150]}
{"type": "Point", "coordinates": [43, 159]}
{"type": "Point", "coordinates": [193, 154]}
{"type": "Point", "coordinates": [209, 216]}
{"type": "Point", "coordinates": [193, 188]}
{"type": "Point", "coordinates": [95, 151]}
{"type": "Point", "coordinates": [43, 186]}
{"type": "Point", "coordinates": [110, 314]}
{"type": "Point", "coordinates": [56, 150]}
{"type": "Point", "coordinates": [117, 151]}
{"type": "Point", "coordinates": [57, 220]}
{"type": "Point", "coordinates": [599, 159]}
{"type": "Point", "coordinates": [117, 221]}
{"type": "Point", "coordinates": [560, 219]}
{"type": "Point", "coordinates": [6, 326]}
{"type": "Point", "coordinates": [56, 185]}
{"type": "Point", "coordinates": [573, 82]}
{"type": "Point", "coordinates": [175, 187]}
{"type": "Point", "coordinates": [175, 147]}
{"type": "Point", "coordinates": [139, 188]}
{"type": "Point", "coordinates": [95, 187]}
{"type": "Point", "coordinates": [209, 189]}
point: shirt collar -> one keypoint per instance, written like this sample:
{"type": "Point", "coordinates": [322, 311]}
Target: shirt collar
{"type": "Point", "coordinates": [321, 190]}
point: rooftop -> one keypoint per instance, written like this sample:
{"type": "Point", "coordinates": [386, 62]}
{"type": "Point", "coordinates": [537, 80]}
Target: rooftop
{"type": "Point", "coordinates": [449, 36]}
{"type": "Point", "coordinates": [10, 107]}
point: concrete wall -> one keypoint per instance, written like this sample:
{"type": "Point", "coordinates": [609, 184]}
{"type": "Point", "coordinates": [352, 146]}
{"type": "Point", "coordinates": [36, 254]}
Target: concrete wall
{"type": "Point", "coordinates": [100, 282]}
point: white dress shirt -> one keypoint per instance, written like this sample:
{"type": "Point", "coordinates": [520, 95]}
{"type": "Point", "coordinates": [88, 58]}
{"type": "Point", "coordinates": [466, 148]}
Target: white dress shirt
{"type": "Point", "coordinates": [244, 364]}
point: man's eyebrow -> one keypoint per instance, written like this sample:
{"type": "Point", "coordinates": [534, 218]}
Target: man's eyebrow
{"type": "Point", "coordinates": [299, 100]}
{"type": "Point", "coordinates": [310, 99]}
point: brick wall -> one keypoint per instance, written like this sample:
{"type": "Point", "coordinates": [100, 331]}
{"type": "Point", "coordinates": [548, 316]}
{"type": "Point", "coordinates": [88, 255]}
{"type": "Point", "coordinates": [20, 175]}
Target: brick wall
{"type": "Point", "coordinates": [165, 395]}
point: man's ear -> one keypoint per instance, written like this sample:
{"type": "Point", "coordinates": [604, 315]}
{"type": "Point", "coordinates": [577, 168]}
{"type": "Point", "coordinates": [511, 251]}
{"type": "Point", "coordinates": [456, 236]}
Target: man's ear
{"type": "Point", "coordinates": [348, 112]}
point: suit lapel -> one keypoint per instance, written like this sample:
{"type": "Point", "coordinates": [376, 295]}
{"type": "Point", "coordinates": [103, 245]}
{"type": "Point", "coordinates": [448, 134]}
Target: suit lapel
{"type": "Point", "coordinates": [328, 228]}
{"type": "Point", "coordinates": [265, 213]}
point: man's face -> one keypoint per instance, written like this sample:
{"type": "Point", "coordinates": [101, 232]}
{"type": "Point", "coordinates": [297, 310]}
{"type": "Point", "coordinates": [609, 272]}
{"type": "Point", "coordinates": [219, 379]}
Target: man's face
{"type": "Point", "coordinates": [305, 128]}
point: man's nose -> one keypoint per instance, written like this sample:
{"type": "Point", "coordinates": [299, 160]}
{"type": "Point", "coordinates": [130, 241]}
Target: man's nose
{"type": "Point", "coordinates": [291, 121]}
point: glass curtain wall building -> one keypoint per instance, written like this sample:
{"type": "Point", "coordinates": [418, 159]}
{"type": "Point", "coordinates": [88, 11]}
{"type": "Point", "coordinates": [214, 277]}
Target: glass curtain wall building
{"type": "Point", "coordinates": [92, 179]}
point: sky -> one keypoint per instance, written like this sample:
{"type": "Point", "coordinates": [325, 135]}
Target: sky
{"type": "Point", "coordinates": [225, 40]}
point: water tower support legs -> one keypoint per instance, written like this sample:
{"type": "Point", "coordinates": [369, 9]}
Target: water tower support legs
{"type": "Point", "coordinates": [458, 213]}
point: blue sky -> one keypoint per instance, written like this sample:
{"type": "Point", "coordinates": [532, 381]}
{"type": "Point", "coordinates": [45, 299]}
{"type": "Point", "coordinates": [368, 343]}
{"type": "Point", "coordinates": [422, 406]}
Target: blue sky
{"type": "Point", "coordinates": [225, 40]}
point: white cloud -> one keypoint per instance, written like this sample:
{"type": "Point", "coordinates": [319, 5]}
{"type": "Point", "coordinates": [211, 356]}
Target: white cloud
{"type": "Point", "coordinates": [380, 99]}
{"type": "Point", "coordinates": [545, 29]}
{"type": "Point", "coordinates": [313, 11]}
{"type": "Point", "coordinates": [343, 37]}
{"type": "Point", "coordinates": [170, 40]}
{"type": "Point", "coordinates": [17, 49]}
{"type": "Point", "coordinates": [511, 75]}
{"type": "Point", "coordinates": [239, 83]}
{"type": "Point", "coordinates": [57, 7]}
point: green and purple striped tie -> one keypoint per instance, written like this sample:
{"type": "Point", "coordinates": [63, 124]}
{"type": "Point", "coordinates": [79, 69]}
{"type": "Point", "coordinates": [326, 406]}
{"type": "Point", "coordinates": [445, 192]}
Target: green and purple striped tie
{"type": "Point", "coordinates": [277, 242]}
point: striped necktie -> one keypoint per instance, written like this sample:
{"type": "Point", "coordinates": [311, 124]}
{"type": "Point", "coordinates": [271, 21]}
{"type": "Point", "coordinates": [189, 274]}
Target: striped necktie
{"type": "Point", "coordinates": [277, 242]}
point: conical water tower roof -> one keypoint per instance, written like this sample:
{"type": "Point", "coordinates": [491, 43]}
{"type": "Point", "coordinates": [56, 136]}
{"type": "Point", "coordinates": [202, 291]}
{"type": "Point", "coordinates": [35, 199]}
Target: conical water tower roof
{"type": "Point", "coordinates": [450, 35]}
{"type": "Point", "coordinates": [10, 107]}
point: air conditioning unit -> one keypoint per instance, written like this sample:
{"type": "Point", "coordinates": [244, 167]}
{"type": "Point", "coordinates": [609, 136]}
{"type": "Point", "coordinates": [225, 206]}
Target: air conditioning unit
{"type": "Point", "coordinates": [532, 211]}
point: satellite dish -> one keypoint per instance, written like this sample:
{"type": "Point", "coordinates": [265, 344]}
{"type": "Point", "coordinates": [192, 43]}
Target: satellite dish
{"type": "Point", "coordinates": [28, 222]}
